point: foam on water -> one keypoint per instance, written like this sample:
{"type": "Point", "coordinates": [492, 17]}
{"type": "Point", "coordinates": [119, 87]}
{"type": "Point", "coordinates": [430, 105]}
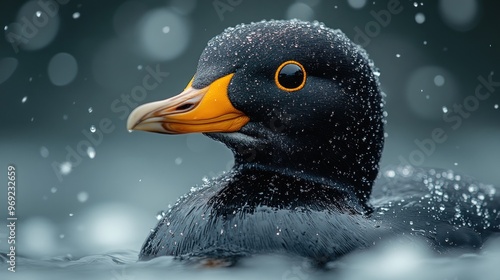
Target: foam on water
{"type": "Point", "coordinates": [406, 260]}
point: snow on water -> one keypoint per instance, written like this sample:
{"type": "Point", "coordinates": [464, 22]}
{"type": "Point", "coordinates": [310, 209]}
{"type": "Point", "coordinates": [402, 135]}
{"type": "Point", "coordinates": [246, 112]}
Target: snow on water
{"type": "Point", "coordinates": [405, 261]}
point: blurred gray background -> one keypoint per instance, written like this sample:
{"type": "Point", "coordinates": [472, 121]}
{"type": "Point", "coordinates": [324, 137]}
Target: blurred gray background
{"type": "Point", "coordinates": [66, 72]}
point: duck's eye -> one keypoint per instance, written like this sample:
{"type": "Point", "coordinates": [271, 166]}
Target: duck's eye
{"type": "Point", "coordinates": [290, 76]}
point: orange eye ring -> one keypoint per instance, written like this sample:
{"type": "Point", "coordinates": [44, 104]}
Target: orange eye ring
{"type": "Point", "coordinates": [290, 76]}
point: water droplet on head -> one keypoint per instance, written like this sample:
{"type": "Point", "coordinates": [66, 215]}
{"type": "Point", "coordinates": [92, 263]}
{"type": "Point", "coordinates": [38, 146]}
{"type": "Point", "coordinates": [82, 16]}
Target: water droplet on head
{"type": "Point", "coordinates": [472, 188]}
{"type": "Point", "coordinates": [160, 215]}
{"type": "Point", "coordinates": [71, 214]}
{"type": "Point", "coordinates": [445, 109]}
{"type": "Point", "coordinates": [495, 106]}
{"type": "Point", "coordinates": [76, 15]}
{"type": "Point", "coordinates": [90, 110]}
{"type": "Point", "coordinates": [38, 14]}
{"type": "Point", "coordinates": [93, 128]}
{"type": "Point", "coordinates": [24, 99]}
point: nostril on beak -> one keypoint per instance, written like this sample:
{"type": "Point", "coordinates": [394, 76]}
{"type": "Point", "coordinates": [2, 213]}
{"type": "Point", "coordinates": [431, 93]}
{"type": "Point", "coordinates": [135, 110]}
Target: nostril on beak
{"type": "Point", "coordinates": [185, 107]}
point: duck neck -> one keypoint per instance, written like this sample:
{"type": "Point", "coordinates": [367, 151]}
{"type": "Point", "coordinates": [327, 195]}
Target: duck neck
{"type": "Point", "coordinates": [279, 187]}
{"type": "Point", "coordinates": [335, 165]}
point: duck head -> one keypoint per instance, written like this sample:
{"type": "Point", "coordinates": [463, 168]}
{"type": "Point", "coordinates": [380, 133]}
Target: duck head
{"type": "Point", "coordinates": [287, 95]}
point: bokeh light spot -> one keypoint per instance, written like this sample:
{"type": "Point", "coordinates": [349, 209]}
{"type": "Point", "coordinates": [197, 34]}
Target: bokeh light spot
{"type": "Point", "coordinates": [357, 4]}
{"type": "Point", "coordinates": [82, 197]}
{"type": "Point", "coordinates": [111, 226]}
{"type": "Point", "coordinates": [38, 27]}
{"type": "Point", "coordinates": [7, 67]}
{"type": "Point", "coordinates": [428, 83]}
{"type": "Point", "coordinates": [65, 168]}
{"type": "Point", "coordinates": [37, 236]}
{"type": "Point", "coordinates": [461, 15]}
{"type": "Point", "coordinates": [62, 69]}
{"type": "Point", "coordinates": [183, 7]}
{"type": "Point", "coordinates": [300, 11]}
{"type": "Point", "coordinates": [420, 18]}
{"type": "Point", "coordinates": [439, 80]}
{"type": "Point", "coordinates": [44, 152]}
{"type": "Point", "coordinates": [126, 18]}
{"type": "Point", "coordinates": [158, 44]}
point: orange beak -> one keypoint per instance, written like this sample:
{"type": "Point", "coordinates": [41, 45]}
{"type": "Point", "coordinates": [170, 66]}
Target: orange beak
{"type": "Point", "coordinates": [193, 110]}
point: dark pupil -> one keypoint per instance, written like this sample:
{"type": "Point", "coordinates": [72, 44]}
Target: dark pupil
{"type": "Point", "coordinates": [291, 76]}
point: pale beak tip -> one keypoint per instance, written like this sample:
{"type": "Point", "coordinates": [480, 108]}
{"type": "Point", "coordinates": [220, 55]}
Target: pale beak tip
{"type": "Point", "coordinates": [131, 124]}
{"type": "Point", "coordinates": [133, 119]}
